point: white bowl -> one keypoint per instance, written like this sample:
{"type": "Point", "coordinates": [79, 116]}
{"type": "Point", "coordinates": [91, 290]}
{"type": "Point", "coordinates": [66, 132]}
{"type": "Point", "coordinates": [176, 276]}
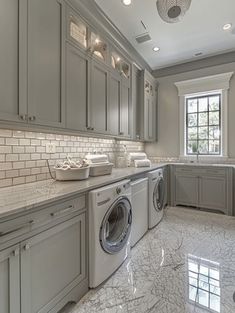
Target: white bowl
{"type": "Point", "coordinates": [72, 173]}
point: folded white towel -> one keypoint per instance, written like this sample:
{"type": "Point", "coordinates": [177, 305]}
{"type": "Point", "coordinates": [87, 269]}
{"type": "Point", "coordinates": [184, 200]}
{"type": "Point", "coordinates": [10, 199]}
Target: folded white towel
{"type": "Point", "coordinates": [97, 158]}
{"type": "Point", "coordinates": [137, 156]}
{"type": "Point", "coordinates": [142, 163]}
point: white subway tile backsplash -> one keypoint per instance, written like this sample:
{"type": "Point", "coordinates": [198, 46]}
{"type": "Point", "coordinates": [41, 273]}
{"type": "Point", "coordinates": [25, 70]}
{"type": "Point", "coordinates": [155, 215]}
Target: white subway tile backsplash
{"type": "Point", "coordinates": [12, 141]}
{"type": "Point", "coordinates": [5, 149]}
{"type": "Point", "coordinates": [23, 153]}
{"type": "Point", "coordinates": [12, 157]}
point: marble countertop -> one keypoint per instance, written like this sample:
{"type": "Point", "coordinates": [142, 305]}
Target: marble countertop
{"type": "Point", "coordinates": [17, 199]}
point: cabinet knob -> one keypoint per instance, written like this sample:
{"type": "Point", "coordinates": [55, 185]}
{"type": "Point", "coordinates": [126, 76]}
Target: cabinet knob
{"type": "Point", "coordinates": [26, 247]}
{"type": "Point", "coordinates": [16, 252]}
{"type": "Point", "coordinates": [32, 118]}
{"type": "Point", "coordinates": [24, 117]}
{"type": "Point", "coordinates": [121, 133]}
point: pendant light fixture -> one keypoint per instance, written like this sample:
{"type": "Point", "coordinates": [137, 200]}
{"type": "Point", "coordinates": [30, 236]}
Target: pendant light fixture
{"type": "Point", "coordinates": [172, 11]}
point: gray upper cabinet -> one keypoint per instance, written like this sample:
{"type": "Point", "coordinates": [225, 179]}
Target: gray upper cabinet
{"type": "Point", "coordinates": [136, 109]}
{"type": "Point", "coordinates": [77, 78]}
{"type": "Point", "coordinates": [114, 104]}
{"type": "Point", "coordinates": [148, 117]}
{"type": "Point", "coordinates": [99, 98]}
{"type": "Point", "coordinates": [52, 264]}
{"type": "Point", "coordinates": [124, 129]}
{"type": "Point", "coordinates": [10, 280]}
{"type": "Point", "coordinates": [45, 62]}
{"type": "Point", "coordinates": [13, 106]}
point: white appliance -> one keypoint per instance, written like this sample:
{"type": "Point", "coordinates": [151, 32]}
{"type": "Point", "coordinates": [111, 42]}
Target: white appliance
{"type": "Point", "coordinates": [156, 196]}
{"type": "Point", "coordinates": [139, 196]}
{"type": "Point", "coordinates": [110, 219]}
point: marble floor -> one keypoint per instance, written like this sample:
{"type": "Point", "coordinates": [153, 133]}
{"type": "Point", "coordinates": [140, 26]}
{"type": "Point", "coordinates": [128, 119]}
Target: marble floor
{"type": "Point", "coordinates": [185, 265]}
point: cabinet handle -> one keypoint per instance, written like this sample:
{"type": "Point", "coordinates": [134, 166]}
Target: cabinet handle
{"type": "Point", "coordinates": [24, 117]}
{"type": "Point", "coordinates": [16, 252]}
{"type": "Point", "coordinates": [90, 128]}
{"type": "Point", "coordinates": [121, 133]}
{"type": "Point", "coordinates": [26, 247]}
{"type": "Point", "coordinates": [32, 118]}
{"type": "Point", "coordinates": [64, 211]}
{"type": "Point", "coordinates": [2, 234]}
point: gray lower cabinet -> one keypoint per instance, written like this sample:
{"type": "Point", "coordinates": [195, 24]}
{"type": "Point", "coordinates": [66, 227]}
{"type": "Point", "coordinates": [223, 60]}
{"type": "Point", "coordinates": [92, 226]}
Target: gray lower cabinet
{"type": "Point", "coordinates": [212, 192]}
{"type": "Point", "coordinates": [203, 187]}
{"type": "Point", "coordinates": [43, 258]}
{"type": "Point", "coordinates": [99, 97]}
{"type": "Point", "coordinates": [77, 78]}
{"type": "Point", "coordinates": [52, 264]}
{"type": "Point", "coordinates": [114, 104]}
{"type": "Point", "coordinates": [10, 280]}
{"type": "Point", "coordinates": [186, 190]}
{"type": "Point", "coordinates": [46, 34]}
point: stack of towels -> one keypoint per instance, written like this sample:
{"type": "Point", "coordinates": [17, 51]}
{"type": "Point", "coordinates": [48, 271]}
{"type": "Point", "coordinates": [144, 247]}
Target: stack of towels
{"type": "Point", "coordinates": [138, 159]}
{"type": "Point", "coordinates": [97, 159]}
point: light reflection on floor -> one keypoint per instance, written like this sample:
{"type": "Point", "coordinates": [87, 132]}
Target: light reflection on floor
{"type": "Point", "coordinates": [185, 265]}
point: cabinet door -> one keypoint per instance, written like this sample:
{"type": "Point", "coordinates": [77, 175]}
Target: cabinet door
{"type": "Point", "coordinates": [150, 117]}
{"type": "Point", "coordinates": [45, 62]}
{"type": "Point", "coordinates": [10, 280]}
{"type": "Point", "coordinates": [11, 38]}
{"type": "Point", "coordinates": [99, 89]}
{"type": "Point", "coordinates": [186, 190]}
{"type": "Point", "coordinates": [77, 77]}
{"type": "Point", "coordinates": [114, 104]}
{"type": "Point", "coordinates": [52, 263]}
{"type": "Point", "coordinates": [125, 109]}
{"type": "Point", "coordinates": [212, 193]}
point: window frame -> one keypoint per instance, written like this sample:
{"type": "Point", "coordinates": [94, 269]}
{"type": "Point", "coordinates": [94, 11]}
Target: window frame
{"type": "Point", "coordinates": [204, 85]}
{"type": "Point", "coordinates": [200, 96]}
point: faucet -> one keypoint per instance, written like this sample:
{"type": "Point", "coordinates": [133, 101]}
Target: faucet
{"type": "Point", "coordinates": [198, 156]}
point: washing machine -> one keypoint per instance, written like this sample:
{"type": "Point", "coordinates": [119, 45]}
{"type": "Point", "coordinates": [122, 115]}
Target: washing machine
{"type": "Point", "coordinates": [110, 219]}
{"type": "Point", "coordinates": [156, 196]}
{"type": "Point", "coordinates": [139, 196]}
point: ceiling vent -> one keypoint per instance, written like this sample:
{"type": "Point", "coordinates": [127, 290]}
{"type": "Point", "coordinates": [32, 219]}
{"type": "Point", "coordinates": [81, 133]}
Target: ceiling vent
{"type": "Point", "coordinates": [143, 38]}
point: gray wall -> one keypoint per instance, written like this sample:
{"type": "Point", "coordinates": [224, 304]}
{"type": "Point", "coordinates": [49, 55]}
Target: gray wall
{"type": "Point", "coordinates": [168, 112]}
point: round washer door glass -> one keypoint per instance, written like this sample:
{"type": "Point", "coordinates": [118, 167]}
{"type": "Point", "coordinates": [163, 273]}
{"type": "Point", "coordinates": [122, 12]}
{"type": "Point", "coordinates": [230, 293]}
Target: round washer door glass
{"type": "Point", "coordinates": [158, 194]}
{"type": "Point", "coordinates": [116, 226]}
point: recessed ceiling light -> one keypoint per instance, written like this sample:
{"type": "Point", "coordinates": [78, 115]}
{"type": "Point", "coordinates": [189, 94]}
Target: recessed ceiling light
{"type": "Point", "coordinates": [227, 26]}
{"type": "Point", "coordinates": [156, 49]}
{"type": "Point", "coordinates": [126, 2]}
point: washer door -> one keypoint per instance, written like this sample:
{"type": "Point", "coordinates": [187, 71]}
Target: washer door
{"type": "Point", "coordinates": [158, 194]}
{"type": "Point", "coordinates": [116, 226]}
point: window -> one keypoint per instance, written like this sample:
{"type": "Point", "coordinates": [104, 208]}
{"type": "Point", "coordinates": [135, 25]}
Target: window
{"type": "Point", "coordinates": [203, 124]}
{"type": "Point", "coordinates": [203, 116]}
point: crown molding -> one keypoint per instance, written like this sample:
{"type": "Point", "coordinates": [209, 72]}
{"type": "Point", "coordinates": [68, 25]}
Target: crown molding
{"type": "Point", "coordinates": [207, 83]}
{"type": "Point", "coordinates": [211, 61]}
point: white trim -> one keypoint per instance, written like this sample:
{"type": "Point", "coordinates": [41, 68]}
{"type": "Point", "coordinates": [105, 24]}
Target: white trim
{"type": "Point", "coordinates": [206, 85]}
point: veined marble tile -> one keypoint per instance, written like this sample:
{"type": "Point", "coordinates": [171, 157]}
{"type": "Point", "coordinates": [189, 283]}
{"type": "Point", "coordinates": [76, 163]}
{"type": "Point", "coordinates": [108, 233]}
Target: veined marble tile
{"type": "Point", "coordinates": [185, 265]}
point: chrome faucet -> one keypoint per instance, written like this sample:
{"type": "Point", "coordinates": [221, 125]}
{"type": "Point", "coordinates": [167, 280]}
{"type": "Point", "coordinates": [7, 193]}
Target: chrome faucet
{"type": "Point", "coordinates": [198, 156]}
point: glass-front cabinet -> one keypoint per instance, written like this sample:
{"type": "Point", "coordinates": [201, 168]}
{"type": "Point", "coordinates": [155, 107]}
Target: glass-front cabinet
{"type": "Point", "coordinates": [77, 30]}
{"type": "Point", "coordinates": [120, 65]}
{"type": "Point", "coordinates": [98, 47]}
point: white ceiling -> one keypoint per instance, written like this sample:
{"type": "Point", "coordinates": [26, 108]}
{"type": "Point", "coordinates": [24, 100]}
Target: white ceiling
{"type": "Point", "coordinates": [201, 29]}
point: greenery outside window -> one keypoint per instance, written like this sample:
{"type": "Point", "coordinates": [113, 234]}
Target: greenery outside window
{"type": "Point", "coordinates": [203, 124]}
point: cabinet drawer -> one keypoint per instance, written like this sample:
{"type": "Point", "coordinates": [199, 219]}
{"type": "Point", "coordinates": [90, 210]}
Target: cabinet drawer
{"type": "Point", "coordinates": [200, 170]}
{"type": "Point", "coordinates": [54, 214]}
